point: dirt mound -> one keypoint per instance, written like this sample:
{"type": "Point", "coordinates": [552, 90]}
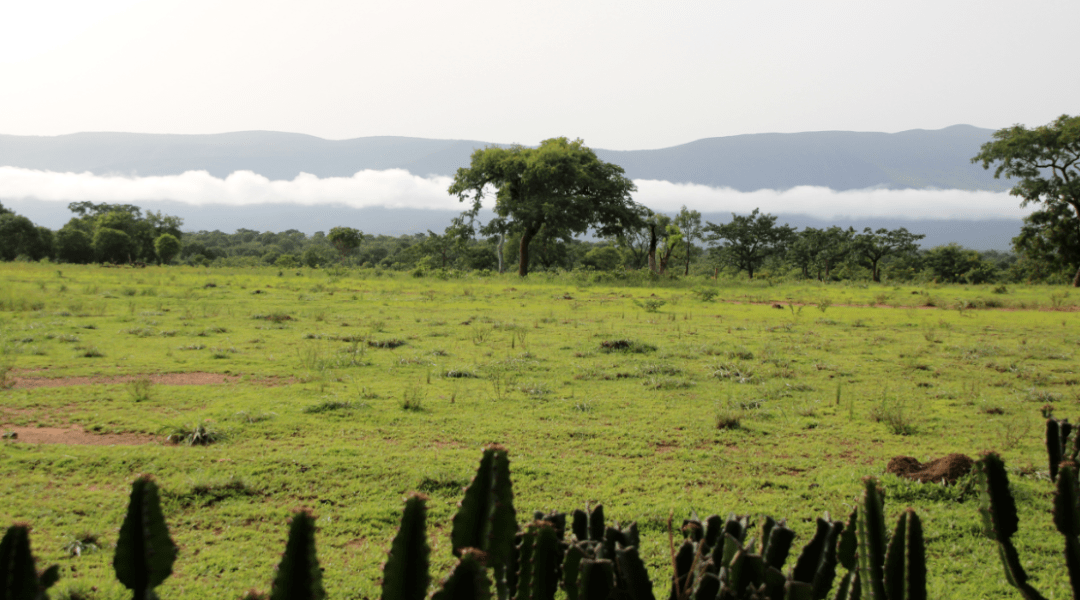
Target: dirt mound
{"type": "Point", "coordinates": [947, 469]}
{"type": "Point", "coordinates": [72, 436]}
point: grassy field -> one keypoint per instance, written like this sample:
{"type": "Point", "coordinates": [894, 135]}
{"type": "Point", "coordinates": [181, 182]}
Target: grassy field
{"type": "Point", "coordinates": [341, 391]}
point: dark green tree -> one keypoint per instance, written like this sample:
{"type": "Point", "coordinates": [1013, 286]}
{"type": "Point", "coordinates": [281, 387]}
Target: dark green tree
{"type": "Point", "coordinates": [870, 247]}
{"type": "Point", "coordinates": [1046, 160]}
{"type": "Point", "coordinates": [749, 240]}
{"type": "Point", "coordinates": [345, 240]}
{"type": "Point", "coordinates": [952, 263]}
{"type": "Point", "coordinates": [18, 237]}
{"type": "Point", "coordinates": [561, 186]}
{"type": "Point", "coordinates": [167, 248]}
{"type": "Point", "coordinates": [817, 251]}
{"type": "Point", "coordinates": [73, 245]}
{"type": "Point", "coordinates": [112, 246]}
{"type": "Point", "coordinates": [1049, 243]}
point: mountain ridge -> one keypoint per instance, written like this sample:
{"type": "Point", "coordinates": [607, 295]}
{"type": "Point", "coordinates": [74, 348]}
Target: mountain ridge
{"type": "Point", "coordinates": [840, 160]}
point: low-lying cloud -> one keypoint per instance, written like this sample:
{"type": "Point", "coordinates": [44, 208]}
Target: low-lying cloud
{"type": "Point", "coordinates": [397, 188]}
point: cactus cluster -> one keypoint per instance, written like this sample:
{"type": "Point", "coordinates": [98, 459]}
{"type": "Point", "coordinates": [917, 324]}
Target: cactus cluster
{"type": "Point", "coordinates": [998, 509]}
{"type": "Point", "coordinates": [717, 559]}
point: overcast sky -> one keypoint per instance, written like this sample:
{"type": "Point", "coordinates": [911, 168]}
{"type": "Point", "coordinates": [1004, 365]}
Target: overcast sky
{"type": "Point", "coordinates": [620, 75]}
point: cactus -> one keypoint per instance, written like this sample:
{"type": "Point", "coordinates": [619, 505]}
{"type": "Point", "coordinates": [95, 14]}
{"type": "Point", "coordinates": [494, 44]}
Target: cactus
{"type": "Point", "coordinates": [905, 561]}
{"type": "Point", "coordinates": [298, 575]}
{"type": "Point", "coordinates": [18, 578]}
{"type": "Point", "coordinates": [1061, 444]}
{"type": "Point", "coordinates": [144, 550]}
{"type": "Point", "coordinates": [1067, 520]}
{"type": "Point", "coordinates": [485, 519]}
{"type": "Point", "coordinates": [541, 556]}
{"type": "Point", "coordinates": [1000, 521]}
{"type": "Point", "coordinates": [870, 530]}
{"type": "Point", "coordinates": [405, 576]}
{"type": "Point", "coordinates": [467, 579]}
{"type": "Point", "coordinates": [816, 565]}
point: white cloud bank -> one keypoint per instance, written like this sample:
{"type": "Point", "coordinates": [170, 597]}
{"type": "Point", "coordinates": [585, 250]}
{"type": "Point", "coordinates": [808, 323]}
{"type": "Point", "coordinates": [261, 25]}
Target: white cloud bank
{"type": "Point", "coordinates": [397, 188]}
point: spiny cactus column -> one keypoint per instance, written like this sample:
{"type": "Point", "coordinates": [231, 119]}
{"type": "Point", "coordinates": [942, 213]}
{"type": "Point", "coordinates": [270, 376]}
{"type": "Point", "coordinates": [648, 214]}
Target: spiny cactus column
{"type": "Point", "coordinates": [1000, 521]}
{"type": "Point", "coordinates": [298, 575]}
{"type": "Point", "coordinates": [19, 580]}
{"type": "Point", "coordinates": [144, 551]}
{"type": "Point", "coordinates": [486, 519]}
{"type": "Point", "coordinates": [405, 576]}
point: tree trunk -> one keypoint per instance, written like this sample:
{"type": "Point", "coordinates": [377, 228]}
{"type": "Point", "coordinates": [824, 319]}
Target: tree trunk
{"type": "Point", "coordinates": [1076, 280]}
{"type": "Point", "coordinates": [876, 274]}
{"type": "Point", "coordinates": [750, 270]}
{"type": "Point", "coordinates": [687, 271]}
{"type": "Point", "coordinates": [502, 240]}
{"type": "Point", "coordinates": [523, 251]}
{"type": "Point", "coordinates": [653, 242]}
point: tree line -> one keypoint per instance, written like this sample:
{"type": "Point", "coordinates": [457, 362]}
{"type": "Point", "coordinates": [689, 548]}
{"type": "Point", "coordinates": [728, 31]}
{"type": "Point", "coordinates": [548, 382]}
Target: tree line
{"type": "Point", "coordinates": [546, 198]}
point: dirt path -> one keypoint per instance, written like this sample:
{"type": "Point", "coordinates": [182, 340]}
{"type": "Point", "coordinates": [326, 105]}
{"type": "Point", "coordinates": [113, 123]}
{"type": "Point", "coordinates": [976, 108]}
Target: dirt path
{"type": "Point", "coordinates": [71, 436]}
{"type": "Point", "coordinates": [30, 382]}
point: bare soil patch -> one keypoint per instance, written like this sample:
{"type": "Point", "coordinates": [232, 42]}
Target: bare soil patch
{"type": "Point", "coordinates": [198, 378]}
{"type": "Point", "coordinates": [72, 436]}
{"type": "Point", "coordinates": [948, 468]}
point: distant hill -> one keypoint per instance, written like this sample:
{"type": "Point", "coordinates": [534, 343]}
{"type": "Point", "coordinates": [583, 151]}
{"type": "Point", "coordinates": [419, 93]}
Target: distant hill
{"type": "Point", "coordinates": [840, 160]}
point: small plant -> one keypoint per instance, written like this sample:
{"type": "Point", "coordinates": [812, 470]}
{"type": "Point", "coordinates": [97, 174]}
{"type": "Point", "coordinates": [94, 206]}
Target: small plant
{"type": "Point", "coordinates": [706, 294]}
{"type": "Point", "coordinates": [891, 412]}
{"type": "Point", "coordinates": [199, 434]}
{"type": "Point", "coordinates": [413, 398]}
{"type": "Point", "coordinates": [628, 346]}
{"type": "Point", "coordinates": [650, 305]}
{"type": "Point", "coordinates": [823, 304]}
{"type": "Point", "coordinates": [729, 418]}
{"type": "Point", "coordinates": [90, 352]}
{"type": "Point", "coordinates": [6, 380]}
{"type": "Point", "coordinates": [85, 543]}
{"type": "Point", "coordinates": [330, 406]}
{"type": "Point", "coordinates": [140, 389]}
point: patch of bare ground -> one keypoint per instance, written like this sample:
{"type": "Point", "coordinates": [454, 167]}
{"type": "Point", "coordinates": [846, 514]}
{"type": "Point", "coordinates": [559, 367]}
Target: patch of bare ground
{"type": "Point", "coordinates": [948, 468]}
{"type": "Point", "coordinates": [72, 436]}
{"type": "Point", "coordinates": [197, 378]}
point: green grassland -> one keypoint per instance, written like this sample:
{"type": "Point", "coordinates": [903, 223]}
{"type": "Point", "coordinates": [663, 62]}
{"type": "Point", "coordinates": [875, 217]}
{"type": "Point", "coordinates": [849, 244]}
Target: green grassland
{"type": "Point", "coordinates": [347, 389]}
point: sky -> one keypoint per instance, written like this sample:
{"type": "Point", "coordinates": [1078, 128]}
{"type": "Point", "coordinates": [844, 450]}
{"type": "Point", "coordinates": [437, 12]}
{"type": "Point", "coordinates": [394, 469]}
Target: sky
{"type": "Point", "coordinates": [621, 75]}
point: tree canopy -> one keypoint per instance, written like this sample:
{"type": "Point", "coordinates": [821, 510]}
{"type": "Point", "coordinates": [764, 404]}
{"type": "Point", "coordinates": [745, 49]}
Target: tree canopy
{"type": "Point", "coordinates": [560, 187]}
{"type": "Point", "coordinates": [749, 240]}
{"type": "Point", "coordinates": [1046, 160]}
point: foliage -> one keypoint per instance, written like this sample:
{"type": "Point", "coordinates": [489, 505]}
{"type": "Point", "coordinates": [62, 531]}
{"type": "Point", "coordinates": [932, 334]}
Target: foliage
{"type": "Point", "coordinates": [749, 240]}
{"type": "Point", "coordinates": [345, 240]}
{"type": "Point", "coordinates": [113, 246]}
{"type": "Point", "coordinates": [167, 247]}
{"type": "Point", "coordinates": [870, 247]}
{"type": "Point", "coordinates": [561, 186]}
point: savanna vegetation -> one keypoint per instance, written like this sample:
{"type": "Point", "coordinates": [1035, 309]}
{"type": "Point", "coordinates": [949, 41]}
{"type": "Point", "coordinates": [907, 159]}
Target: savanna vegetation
{"type": "Point", "coordinates": [343, 389]}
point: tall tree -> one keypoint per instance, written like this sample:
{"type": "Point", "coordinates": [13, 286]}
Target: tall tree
{"type": "Point", "coordinates": [561, 186]}
{"type": "Point", "coordinates": [1049, 242]}
{"type": "Point", "coordinates": [689, 224]}
{"type": "Point", "coordinates": [1045, 159]}
{"type": "Point", "coordinates": [749, 240]}
{"type": "Point", "coordinates": [870, 247]}
{"type": "Point", "coordinates": [345, 240]}
{"type": "Point", "coordinates": [819, 250]}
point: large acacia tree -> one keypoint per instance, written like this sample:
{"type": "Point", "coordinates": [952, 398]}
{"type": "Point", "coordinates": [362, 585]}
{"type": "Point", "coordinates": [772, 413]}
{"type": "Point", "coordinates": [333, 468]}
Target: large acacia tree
{"type": "Point", "coordinates": [560, 187]}
{"type": "Point", "coordinates": [1046, 160]}
{"type": "Point", "coordinates": [749, 240]}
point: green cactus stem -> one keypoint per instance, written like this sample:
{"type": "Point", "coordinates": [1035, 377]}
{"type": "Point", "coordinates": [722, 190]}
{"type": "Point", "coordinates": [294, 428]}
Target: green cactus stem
{"type": "Point", "coordinates": [635, 575]}
{"type": "Point", "coordinates": [1000, 522]}
{"type": "Point", "coordinates": [905, 561]}
{"type": "Point", "coordinates": [467, 580]}
{"type": "Point", "coordinates": [1067, 520]}
{"type": "Point", "coordinates": [816, 565]}
{"type": "Point", "coordinates": [144, 551]}
{"type": "Point", "coordinates": [18, 578]}
{"type": "Point", "coordinates": [871, 535]}
{"type": "Point", "coordinates": [405, 576]}
{"type": "Point", "coordinates": [298, 574]}
{"type": "Point", "coordinates": [486, 519]}
{"type": "Point", "coordinates": [596, 580]}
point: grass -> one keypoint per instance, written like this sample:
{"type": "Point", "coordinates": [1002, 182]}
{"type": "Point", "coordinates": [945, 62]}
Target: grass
{"type": "Point", "coordinates": [719, 403]}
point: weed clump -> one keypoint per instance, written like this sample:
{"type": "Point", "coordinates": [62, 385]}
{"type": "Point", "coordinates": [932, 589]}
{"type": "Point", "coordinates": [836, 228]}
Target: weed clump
{"type": "Point", "coordinates": [276, 317]}
{"type": "Point", "coordinates": [390, 343]}
{"type": "Point", "coordinates": [627, 346]}
{"type": "Point", "coordinates": [199, 434]}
